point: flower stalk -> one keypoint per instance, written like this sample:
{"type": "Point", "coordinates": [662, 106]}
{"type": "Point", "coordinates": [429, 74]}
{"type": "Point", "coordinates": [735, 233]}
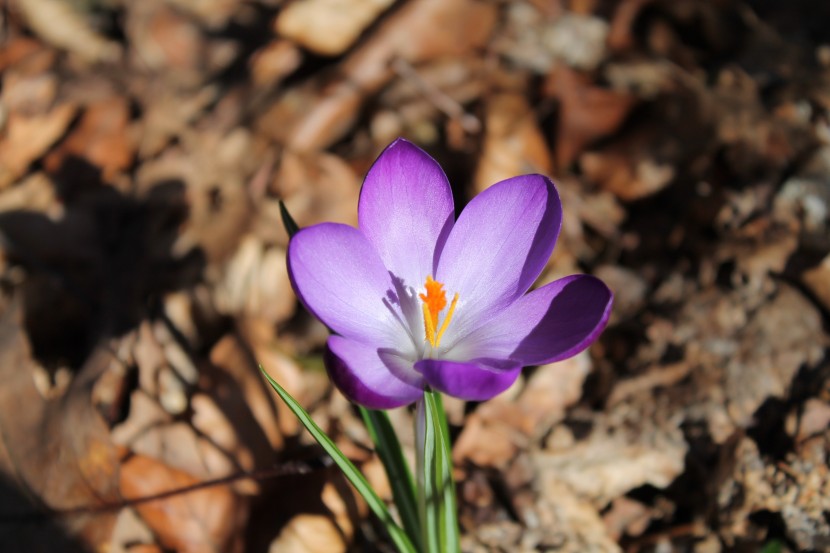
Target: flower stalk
{"type": "Point", "coordinates": [436, 493]}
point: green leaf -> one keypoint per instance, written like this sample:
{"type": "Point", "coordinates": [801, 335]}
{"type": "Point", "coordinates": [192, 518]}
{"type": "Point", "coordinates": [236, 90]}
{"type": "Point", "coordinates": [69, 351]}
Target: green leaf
{"type": "Point", "coordinates": [436, 493]}
{"type": "Point", "coordinates": [773, 546]}
{"type": "Point", "coordinates": [397, 470]}
{"type": "Point", "coordinates": [399, 537]}
{"type": "Point", "coordinates": [291, 226]}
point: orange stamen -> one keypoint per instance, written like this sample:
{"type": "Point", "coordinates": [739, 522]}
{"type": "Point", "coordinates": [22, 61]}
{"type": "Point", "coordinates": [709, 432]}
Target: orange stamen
{"type": "Point", "coordinates": [435, 300]}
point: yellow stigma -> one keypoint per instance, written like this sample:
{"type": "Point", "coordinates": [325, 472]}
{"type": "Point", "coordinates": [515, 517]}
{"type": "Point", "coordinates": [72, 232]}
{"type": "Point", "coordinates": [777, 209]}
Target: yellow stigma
{"type": "Point", "coordinates": [435, 300]}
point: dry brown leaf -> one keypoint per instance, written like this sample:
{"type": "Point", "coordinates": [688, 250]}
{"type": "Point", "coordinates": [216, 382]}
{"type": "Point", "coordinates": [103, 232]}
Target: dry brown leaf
{"type": "Point", "coordinates": [101, 138]}
{"type": "Point", "coordinates": [255, 283]}
{"type": "Point", "coordinates": [607, 466]}
{"type": "Point", "coordinates": [309, 533]}
{"type": "Point", "coordinates": [55, 454]}
{"type": "Point", "coordinates": [643, 384]}
{"type": "Point", "coordinates": [288, 373]}
{"type": "Point", "coordinates": [649, 154]}
{"type": "Point", "coordinates": [626, 517]}
{"type": "Point", "coordinates": [162, 39]}
{"type": "Point", "coordinates": [146, 414]}
{"type": "Point", "coordinates": [276, 60]}
{"type": "Point", "coordinates": [212, 436]}
{"type": "Point", "coordinates": [577, 40]}
{"type": "Point", "coordinates": [494, 433]}
{"type": "Point", "coordinates": [773, 345]}
{"type": "Point", "coordinates": [36, 192]}
{"type": "Point", "coordinates": [817, 279]}
{"type": "Point", "coordinates": [212, 13]}
{"type": "Point", "coordinates": [814, 420]}
{"type": "Point", "coordinates": [541, 35]}
{"type": "Point", "coordinates": [615, 171]}
{"type": "Point", "coordinates": [580, 528]}
{"type": "Point", "coordinates": [129, 532]}
{"type": "Point", "coordinates": [513, 142]}
{"type": "Point", "coordinates": [245, 391]}
{"type": "Point", "coordinates": [144, 548]}
{"type": "Point", "coordinates": [168, 114]}
{"type": "Point", "coordinates": [621, 35]}
{"type": "Point", "coordinates": [210, 189]}
{"type": "Point", "coordinates": [550, 390]}
{"type": "Point", "coordinates": [205, 520]}
{"type": "Point", "coordinates": [29, 94]}
{"type": "Point", "coordinates": [316, 188]}
{"type": "Point", "coordinates": [630, 289]}
{"type": "Point", "coordinates": [60, 25]}
{"type": "Point", "coordinates": [587, 112]}
{"type": "Point", "coordinates": [439, 89]}
{"type": "Point", "coordinates": [328, 27]}
{"type": "Point", "coordinates": [27, 139]}
{"type": "Point", "coordinates": [420, 31]}
{"type": "Point", "coordinates": [22, 48]}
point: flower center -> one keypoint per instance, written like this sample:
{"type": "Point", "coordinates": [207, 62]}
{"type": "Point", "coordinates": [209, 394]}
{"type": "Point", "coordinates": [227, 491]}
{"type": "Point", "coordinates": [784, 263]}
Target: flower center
{"type": "Point", "coordinates": [435, 300]}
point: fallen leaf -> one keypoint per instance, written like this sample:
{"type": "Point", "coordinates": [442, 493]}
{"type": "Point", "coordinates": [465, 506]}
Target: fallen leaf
{"type": "Point", "coordinates": [55, 454]}
{"type": "Point", "coordinates": [513, 143]}
{"type": "Point", "coordinates": [204, 520]}
{"type": "Point", "coordinates": [309, 533]}
{"type": "Point", "coordinates": [420, 31]}
{"type": "Point", "coordinates": [328, 27]}
{"type": "Point", "coordinates": [60, 25]}
{"type": "Point", "coordinates": [27, 139]}
{"type": "Point", "coordinates": [587, 112]}
{"type": "Point", "coordinates": [101, 138]}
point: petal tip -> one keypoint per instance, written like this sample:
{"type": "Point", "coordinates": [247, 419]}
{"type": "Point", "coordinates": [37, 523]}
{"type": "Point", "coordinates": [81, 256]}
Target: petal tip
{"type": "Point", "coordinates": [597, 298]}
{"type": "Point", "coordinates": [476, 380]}
{"type": "Point", "coordinates": [402, 146]}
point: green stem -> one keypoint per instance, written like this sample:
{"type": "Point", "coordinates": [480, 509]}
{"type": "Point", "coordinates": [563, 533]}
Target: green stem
{"type": "Point", "coordinates": [436, 491]}
{"type": "Point", "coordinates": [425, 461]}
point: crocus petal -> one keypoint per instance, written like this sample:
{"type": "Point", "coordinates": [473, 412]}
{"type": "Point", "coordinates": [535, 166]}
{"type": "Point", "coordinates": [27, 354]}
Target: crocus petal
{"type": "Point", "coordinates": [552, 323]}
{"type": "Point", "coordinates": [499, 246]}
{"type": "Point", "coordinates": [339, 277]}
{"type": "Point", "coordinates": [475, 380]}
{"type": "Point", "coordinates": [367, 377]}
{"type": "Point", "coordinates": [406, 211]}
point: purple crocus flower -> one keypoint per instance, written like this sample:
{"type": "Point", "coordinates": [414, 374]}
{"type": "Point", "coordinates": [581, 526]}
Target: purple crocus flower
{"type": "Point", "coordinates": [418, 299]}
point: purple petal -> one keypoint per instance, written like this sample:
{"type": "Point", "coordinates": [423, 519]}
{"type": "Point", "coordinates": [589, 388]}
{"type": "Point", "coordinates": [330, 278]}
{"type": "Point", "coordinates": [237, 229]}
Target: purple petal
{"type": "Point", "coordinates": [499, 246]}
{"type": "Point", "coordinates": [368, 377]}
{"type": "Point", "coordinates": [552, 323]}
{"type": "Point", "coordinates": [475, 380]}
{"type": "Point", "coordinates": [406, 211]}
{"type": "Point", "coordinates": [339, 277]}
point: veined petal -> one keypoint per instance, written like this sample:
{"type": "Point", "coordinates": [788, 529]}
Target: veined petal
{"type": "Point", "coordinates": [549, 324]}
{"type": "Point", "coordinates": [406, 211]}
{"type": "Point", "coordinates": [474, 380]}
{"type": "Point", "coordinates": [339, 277]}
{"type": "Point", "coordinates": [368, 377]}
{"type": "Point", "coordinates": [499, 246]}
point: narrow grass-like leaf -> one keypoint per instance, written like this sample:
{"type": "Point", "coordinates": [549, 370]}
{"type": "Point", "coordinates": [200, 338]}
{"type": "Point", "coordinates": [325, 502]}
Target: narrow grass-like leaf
{"type": "Point", "coordinates": [429, 500]}
{"type": "Point", "coordinates": [291, 226]}
{"type": "Point", "coordinates": [445, 487]}
{"type": "Point", "coordinates": [399, 537]}
{"type": "Point", "coordinates": [397, 470]}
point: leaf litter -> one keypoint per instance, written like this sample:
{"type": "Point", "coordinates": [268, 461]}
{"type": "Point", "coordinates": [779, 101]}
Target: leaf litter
{"type": "Point", "coordinates": [146, 147]}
